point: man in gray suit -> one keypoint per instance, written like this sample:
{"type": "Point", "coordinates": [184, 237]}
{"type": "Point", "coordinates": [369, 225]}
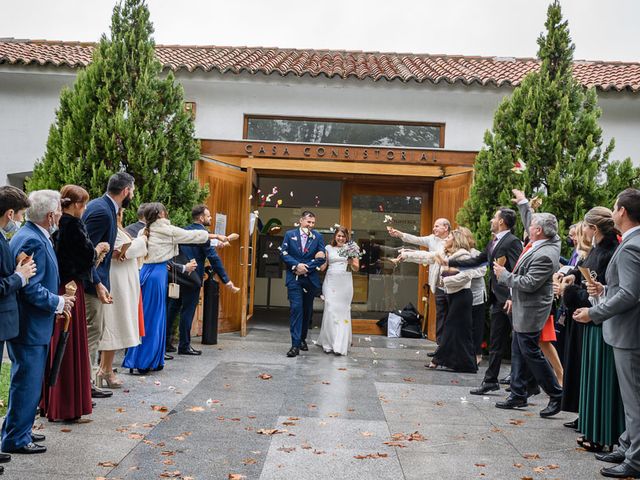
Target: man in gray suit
{"type": "Point", "coordinates": [619, 313]}
{"type": "Point", "coordinates": [531, 300]}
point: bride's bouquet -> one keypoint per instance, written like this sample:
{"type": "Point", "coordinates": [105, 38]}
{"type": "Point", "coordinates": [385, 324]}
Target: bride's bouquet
{"type": "Point", "coordinates": [350, 250]}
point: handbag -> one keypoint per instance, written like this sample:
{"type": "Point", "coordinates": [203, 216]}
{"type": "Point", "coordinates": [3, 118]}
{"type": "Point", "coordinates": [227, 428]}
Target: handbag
{"type": "Point", "coordinates": [185, 279]}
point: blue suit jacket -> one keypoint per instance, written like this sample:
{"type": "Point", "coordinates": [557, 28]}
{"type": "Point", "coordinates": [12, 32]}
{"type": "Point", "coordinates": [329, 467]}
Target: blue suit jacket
{"type": "Point", "coordinates": [292, 254]}
{"type": "Point", "coordinates": [10, 283]}
{"type": "Point", "coordinates": [101, 222]}
{"type": "Point", "coordinates": [38, 300]}
{"type": "Point", "coordinates": [202, 251]}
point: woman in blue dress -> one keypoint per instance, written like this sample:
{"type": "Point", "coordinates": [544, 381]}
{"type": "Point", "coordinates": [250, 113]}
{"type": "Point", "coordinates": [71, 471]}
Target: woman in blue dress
{"type": "Point", "coordinates": [162, 245]}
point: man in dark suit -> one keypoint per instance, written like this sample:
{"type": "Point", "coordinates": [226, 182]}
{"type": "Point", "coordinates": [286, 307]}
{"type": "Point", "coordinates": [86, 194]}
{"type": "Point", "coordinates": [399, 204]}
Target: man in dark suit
{"type": "Point", "coordinates": [531, 287]}
{"type": "Point", "coordinates": [38, 304]}
{"type": "Point", "coordinates": [188, 300]}
{"type": "Point", "coordinates": [134, 228]}
{"type": "Point", "coordinates": [100, 218]}
{"type": "Point", "coordinates": [503, 245]}
{"type": "Point", "coordinates": [619, 315]}
{"type": "Point", "coordinates": [302, 250]}
{"type": "Point", "coordinates": [13, 276]}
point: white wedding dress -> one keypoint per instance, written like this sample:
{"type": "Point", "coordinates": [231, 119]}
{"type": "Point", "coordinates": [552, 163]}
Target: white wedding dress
{"type": "Point", "coordinates": [337, 289]}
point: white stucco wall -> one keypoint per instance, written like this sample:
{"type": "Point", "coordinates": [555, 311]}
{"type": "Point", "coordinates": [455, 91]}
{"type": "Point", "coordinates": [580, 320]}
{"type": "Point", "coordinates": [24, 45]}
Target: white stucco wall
{"type": "Point", "coordinates": [29, 97]}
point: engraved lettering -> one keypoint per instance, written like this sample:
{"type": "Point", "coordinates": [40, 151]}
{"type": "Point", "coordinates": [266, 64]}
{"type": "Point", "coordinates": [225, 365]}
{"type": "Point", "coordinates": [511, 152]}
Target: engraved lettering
{"type": "Point", "coordinates": [334, 153]}
{"type": "Point", "coordinates": [261, 151]}
{"type": "Point", "coordinates": [346, 153]}
{"type": "Point", "coordinates": [320, 151]}
{"type": "Point", "coordinates": [423, 157]}
{"type": "Point", "coordinates": [404, 155]}
{"type": "Point", "coordinates": [307, 151]}
{"type": "Point", "coordinates": [390, 154]}
{"type": "Point", "coordinates": [365, 154]}
{"type": "Point", "coordinates": [377, 152]}
{"type": "Point", "coordinates": [286, 151]}
{"type": "Point", "coordinates": [248, 148]}
{"type": "Point", "coordinates": [274, 150]}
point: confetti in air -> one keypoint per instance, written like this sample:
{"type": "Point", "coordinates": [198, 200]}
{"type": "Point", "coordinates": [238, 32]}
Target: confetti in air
{"type": "Point", "coordinates": [291, 194]}
{"type": "Point", "coordinates": [388, 219]}
{"type": "Point", "coordinates": [380, 208]}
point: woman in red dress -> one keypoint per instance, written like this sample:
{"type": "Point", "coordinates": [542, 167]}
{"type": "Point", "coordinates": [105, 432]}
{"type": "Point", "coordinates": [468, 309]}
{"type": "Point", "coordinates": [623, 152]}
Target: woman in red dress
{"type": "Point", "coordinates": [70, 397]}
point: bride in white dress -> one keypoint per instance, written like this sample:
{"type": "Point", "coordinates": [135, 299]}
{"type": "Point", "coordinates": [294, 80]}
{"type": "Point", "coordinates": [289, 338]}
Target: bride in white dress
{"type": "Point", "coordinates": [337, 290]}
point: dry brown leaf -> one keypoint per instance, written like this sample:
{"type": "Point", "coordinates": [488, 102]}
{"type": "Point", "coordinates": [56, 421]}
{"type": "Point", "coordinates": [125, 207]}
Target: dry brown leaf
{"type": "Point", "coordinates": [236, 476]}
{"type": "Point", "coordinates": [518, 465]}
{"type": "Point", "coordinates": [122, 429]}
{"type": "Point", "coordinates": [371, 455]}
{"type": "Point", "coordinates": [174, 474]}
{"type": "Point", "coordinates": [306, 446]}
{"type": "Point", "coordinates": [526, 478]}
{"type": "Point", "coordinates": [265, 376]}
{"type": "Point", "coordinates": [416, 437]}
{"type": "Point", "coordinates": [538, 469]}
{"type": "Point", "coordinates": [496, 429]}
{"type": "Point", "coordinates": [289, 424]}
{"type": "Point", "coordinates": [312, 406]}
{"type": "Point", "coordinates": [168, 461]}
{"type": "Point", "coordinates": [553, 466]}
{"type": "Point", "coordinates": [409, 379]}
{"type": "Point", "coordinates": [251, 417]}
{"type": "Point", "coordinates": [136, 436]}
{"type": "Point", "coordinates": [108, 464]}
{"type": "Point", "coordinates": [180, 438]}
{"type": "Point", "coordinates": [270, 431]}
{"type": "Point", "coordinates": [326, 383]}
{"type": "Point", "coordinates": [531, 456]}
{"type": "Point", "coordinates": [342, 369]}
{"type": "Point", "coordinates": [333, 415]}
{"type": "Point", "coordinates": [293, 419]}
{"type": "Point", "coordinates": [440, 403]}
{"type": "Point", "coordinates": [167, 453]}
{"type": "Point", "coordinates": [319, 452]}
{"type": "Point", "coordinates": [65, 430]}
{"type": "Point", "coordinates": [366, 434]}
{"type": "Point", "coordinates": [235, 419]}
{"type": "Point", "coordinates": [195, 409]}
{"type": "Point", "coordinates": [481, 465]}
{"type": "Point", "coordinates": [515, 421]}
{"type": "Point", "coordinates": [159, 408]}
{"type": "Point", "coordinates": [287, 449]}
{"type": "Point", "coordinates": [121, 410]}
{"type": "Point", "coordinates": [395, 444]}
{"type": "Point", "coordinates": [148, 425]}
{"type": "Point", "coordinates": [249, 461]}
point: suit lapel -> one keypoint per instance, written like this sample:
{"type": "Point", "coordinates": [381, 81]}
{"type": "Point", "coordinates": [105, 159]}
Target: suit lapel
{"type": "Point", "coordinates": [48, 245]}
{"type": "Point", "coordinates": [614, 257]}
{"type": "Point", "coordinates": [497, 245]}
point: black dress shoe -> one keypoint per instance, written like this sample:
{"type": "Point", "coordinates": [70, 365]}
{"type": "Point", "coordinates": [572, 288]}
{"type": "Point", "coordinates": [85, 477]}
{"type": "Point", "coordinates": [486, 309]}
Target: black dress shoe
{"type": "Point", "coordinates": [37, 437]}
{"type": "Point", "coordinates": [98, 393]}
{"type": "Point", "coordinates": [573, 424]}
{"type": "Point", "coordinates": [170, 349]}
{"type": "Point", "coordinates": [623, 470]}
{"type": "Point", "coordinates": [31, 448]}
{"type": "Point", "coordinates": [5, 457]}
{"type": "Point", "coordinates": [293, 352]}
{"type": "Point", "coordinates": [506, 380]}
{"type": "Point", "coordinates": [485, 388]}
{"type": "Point", "coordinates": [168, 357]}
{"type": "Point", "coordinates": [303, 346]}
{"type": "Point", "coordinates": [189, 351]}
{"type": "Point", "coordinates": [611, 457]}
{"type": "Point", "coordinates": [553, 408]}
{"type": "Point", "coordinates": [533, 391]}
{"type": "Point", "coordinates": [511, 403]}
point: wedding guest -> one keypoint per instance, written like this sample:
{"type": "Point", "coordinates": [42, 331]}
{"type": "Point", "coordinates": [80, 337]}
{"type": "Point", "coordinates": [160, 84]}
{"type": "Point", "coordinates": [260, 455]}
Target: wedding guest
{"type": "Point", "coordinates": [548, 334]}
{"type": "Point", "coordinates": [13, 275]}
{"type": "Point", "coordinates": [435, 243]}
{"type": "Point", "coordinates": [337, 290]}
{"type": "Point", "coordinates": [70, 397]}
{"type": "Point", "coordinates": [572, 297]}
{"type": "Point", "coordinates": [122, 319]}
{"type": "Point", "coordinates": [600, 407]}
{"type": "Point", "coordinates": [101, 222]}
{"type": "Point", "coordinates": [162, 240]}
{"type": "Point", "coordinates": [531, 284]}
{"type": "Point", "coordinates": [189, 296]}
{"type": "Point", "coordinates": [619, 313]}
{"type": "Point", "coordinates": [134, 228]}
{"type": "Point", "coordinates": [38, 303]}
{"type": "Point", "coordinates": [479, 292]}
{"type": "Point", "coordinates": [504, 245]}
{"type": "Point", "coordinates": [456, 350]}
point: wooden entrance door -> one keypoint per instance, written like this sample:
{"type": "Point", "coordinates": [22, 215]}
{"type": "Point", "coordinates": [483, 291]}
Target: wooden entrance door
{"type": "Point", "coordinates": [380, 286]}
{"type": "Point", "coordinates": [228, 196]}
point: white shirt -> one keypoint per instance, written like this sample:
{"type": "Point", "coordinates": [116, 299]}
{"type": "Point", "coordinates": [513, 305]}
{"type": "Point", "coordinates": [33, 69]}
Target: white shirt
{"type": "Point", "coordinates": [501, 234]}
{"type": "Point", "coordinates": [630, 231]}
{"type": "Point", "coordinates": [115, 205]}
{"type": "Point", "coordinates": [60, 307]}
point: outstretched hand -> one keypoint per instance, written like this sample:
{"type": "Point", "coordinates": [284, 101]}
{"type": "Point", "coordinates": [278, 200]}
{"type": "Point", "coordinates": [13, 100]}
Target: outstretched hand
{"type": "Point", "coordinates": [518, 196]}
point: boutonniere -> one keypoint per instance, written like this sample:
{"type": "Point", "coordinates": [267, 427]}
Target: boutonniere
{"type": "Point", "coordinates": [308, 233]}
{"type": "Point", "coordinates": [295, 239]}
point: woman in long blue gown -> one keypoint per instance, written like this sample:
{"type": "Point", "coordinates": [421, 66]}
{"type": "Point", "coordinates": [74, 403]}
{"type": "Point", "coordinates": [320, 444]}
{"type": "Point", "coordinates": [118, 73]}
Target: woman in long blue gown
{"type": "Point", "coordinates": [162, 245]}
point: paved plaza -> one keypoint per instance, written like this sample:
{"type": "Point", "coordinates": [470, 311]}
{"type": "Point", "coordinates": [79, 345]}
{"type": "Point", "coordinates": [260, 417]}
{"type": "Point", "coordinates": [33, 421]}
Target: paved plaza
{"type": "Point", "coordinates": [244, 410]}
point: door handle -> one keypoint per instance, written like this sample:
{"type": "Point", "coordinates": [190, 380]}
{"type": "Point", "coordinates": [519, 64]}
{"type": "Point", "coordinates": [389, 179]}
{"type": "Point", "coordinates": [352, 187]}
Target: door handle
{"type": "Point", "coordinates": [241, 251]}
{"type": "Point", "coordinates": [250, 256]}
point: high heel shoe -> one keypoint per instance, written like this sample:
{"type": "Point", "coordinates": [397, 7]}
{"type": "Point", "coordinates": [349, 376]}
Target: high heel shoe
{"type": "Point", "coordinates": [109, 379]}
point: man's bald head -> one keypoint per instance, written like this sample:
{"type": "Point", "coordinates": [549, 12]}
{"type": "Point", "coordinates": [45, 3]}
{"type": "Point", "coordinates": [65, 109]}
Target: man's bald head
{"type": "Point", "coordinates": [441, 227]}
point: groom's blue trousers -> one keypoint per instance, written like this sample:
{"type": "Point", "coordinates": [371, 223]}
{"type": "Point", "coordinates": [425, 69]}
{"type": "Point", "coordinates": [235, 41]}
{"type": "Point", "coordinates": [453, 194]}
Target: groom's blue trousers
{"type": "Point", "coordinates": [301, 293]}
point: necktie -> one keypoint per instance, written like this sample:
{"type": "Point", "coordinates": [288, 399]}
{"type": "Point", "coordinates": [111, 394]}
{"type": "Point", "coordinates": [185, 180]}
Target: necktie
{"type": "Point", "coordinates": [527, 247]}
{"type": "Point", "coordinates": [492, 245]}
{"type": "Point", "coordinates": [304, 240]}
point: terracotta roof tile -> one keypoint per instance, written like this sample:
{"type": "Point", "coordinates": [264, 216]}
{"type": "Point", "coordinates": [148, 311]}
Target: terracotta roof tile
{"type": "Point", "coordinates": [376, 66]}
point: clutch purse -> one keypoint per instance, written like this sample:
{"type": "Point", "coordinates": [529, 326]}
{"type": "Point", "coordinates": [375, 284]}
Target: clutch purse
{"type": "Point", "coordinates": [174, 290]}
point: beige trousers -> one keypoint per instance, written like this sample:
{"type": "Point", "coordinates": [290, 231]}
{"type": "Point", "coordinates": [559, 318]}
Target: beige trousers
{"type": "Point", "coordinates": [95, 328]}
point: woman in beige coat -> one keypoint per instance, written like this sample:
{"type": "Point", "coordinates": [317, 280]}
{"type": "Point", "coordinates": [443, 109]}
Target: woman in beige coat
{"type": "Point", "coordinates": [121, 323]}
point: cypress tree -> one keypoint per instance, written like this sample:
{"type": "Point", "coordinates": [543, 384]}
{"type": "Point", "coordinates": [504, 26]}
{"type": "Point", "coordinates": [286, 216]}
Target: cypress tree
{"type": "Point", "coordinates": [123, 114]}
{"type": "Point", "coordinates": [550, 122]}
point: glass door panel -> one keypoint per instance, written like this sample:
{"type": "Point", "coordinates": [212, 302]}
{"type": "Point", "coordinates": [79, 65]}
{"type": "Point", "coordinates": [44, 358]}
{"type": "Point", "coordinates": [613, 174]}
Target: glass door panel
{"type": "Point", "coordinates": [380, 286]}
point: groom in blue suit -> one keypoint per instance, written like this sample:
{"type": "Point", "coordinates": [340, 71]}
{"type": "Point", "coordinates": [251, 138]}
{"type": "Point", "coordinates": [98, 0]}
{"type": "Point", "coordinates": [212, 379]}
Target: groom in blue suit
{"type": "Point", "coordinates": [302, 250]}
{"type": "Point", "coordinates": [38, 303]}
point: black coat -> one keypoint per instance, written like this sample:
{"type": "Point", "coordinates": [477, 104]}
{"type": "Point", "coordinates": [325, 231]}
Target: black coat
{"type": "Point", "coordinates": [75, 252]}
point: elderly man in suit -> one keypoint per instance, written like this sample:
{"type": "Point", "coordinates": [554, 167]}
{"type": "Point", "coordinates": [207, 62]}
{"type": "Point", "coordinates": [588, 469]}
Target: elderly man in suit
{"type": "Point", "coordinates": [531, 300]}
{"type": "Point", "coordinates": [100, 218]}
{"type": "Point", "coordinates": [302, 250]}
{"type": "Point", "coordinates": [619, 313]}
{"type": "Point", "coordinates": [38, 304]}
{"type": "Point", "coordinates": [504, 244]}
{"type": "Point", "coordinates": [13, 275]}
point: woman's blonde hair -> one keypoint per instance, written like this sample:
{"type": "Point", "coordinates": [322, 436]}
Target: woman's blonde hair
{"type": "Point", "coordinates": [470, 238]}
{"type": "Point", "coordinates": [459, 242]}
{"type": "Point", "coordinates": [582, 246]}
{"type": "Point", "coordinates": [602, 218]}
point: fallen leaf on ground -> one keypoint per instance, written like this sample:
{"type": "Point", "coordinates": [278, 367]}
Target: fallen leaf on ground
{"type": "Point", "coordinates": [293, 419]}
{"type": "Point", "coordinates": [481, 465]}
{"type": "Point", "coordinates": [538, 469]}
{"type": "Point", "coordinates": [531, 456]}
{"type": "Point", "coordinates": [496, 429]}
{"type": "Point", "coordinates": [518, 465]}
{"type": "Point", "coordinates": [312, 406]}
{"type": "Point", "coordinates": [65, 430]}
{"type": "Point", "coordinates": [342, 369]}
{"type": "Point", "coordinates": [136, 436]}
{"type": "Point", "coordinates": [319, 452]}
{"type": "Point", "coordinates": [235, 419]}
{"type": "Point", "coordinates": [236, 476]}
{"type": "Point", "coordinates": [440, 403]}
{"type": "Point", "coordinates": [167, 453]}
{"type": "Point", "coordinates": [249, 461]}
{"type": "Point", "coordinates": [395, 444]}
{"type": "Point", "coordinates": [108, 464]}
{"type": "Point", "coordinates": [333, 415]}
{"type": "Point", "coordinates": [270, 431]}
{"type": "Point", "coordinates": [174, 474]}
{"type": "Point", "coordinates": [289, 424]}
{"type": "Point", "coordinates": [287, 449]}
{"type": "Point", "coordinates": [553, 466]}
{"type": "Point", "coordinates": [121, 410]}
{"type": "Point", "coordinates": [526, 478]}
{"type": "Point", "coordinates": [416, 437]}
{"type": "Point", "coordinates": [326, 383]}
{"type": "Point", "coordinates": [168, 461]}
{"type": "Point", "coordinates": [159, 408]}
{"type": "Point", "coordinates": [409, 379]}
{"type": "Point", "coordinates": [371, 455]}
{"type": "Point", "coordinates": [366, 434]}
{"type": "Point", "coordinates": [265, 376]}
{"type": "Point", "coordinates": [306, 446]}
{"type": "Point", "coordinates": [515, 421]}
{"type": "Point", "coordinates": [195, 409]}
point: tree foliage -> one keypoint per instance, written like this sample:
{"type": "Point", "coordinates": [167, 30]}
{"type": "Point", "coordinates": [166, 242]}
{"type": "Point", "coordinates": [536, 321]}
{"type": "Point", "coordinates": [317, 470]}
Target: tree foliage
{"type": "Point", "coordinates": [549, 122]}
{"type": "Point", "coordinates": [123, 114]}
